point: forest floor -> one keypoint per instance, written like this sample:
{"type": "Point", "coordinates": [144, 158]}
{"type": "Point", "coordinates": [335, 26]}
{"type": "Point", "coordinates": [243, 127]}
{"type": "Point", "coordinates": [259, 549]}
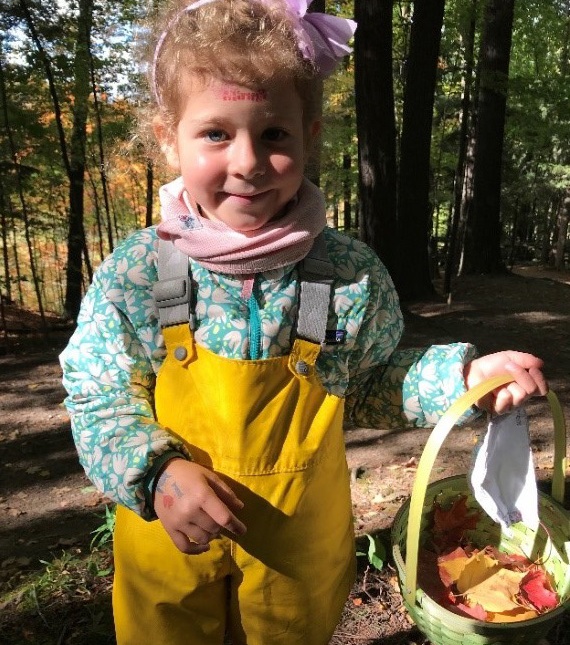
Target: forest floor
{"type": "Point", "coordinates": [49, 510]}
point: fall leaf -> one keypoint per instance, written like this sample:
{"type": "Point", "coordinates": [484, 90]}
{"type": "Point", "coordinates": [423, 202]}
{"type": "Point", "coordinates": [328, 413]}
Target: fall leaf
{"type": "Point", "coordinates": [477, 569]}
{"type": "Point", "coordinates": [511, 560]}
{"type": "Point", "coordinates": [537, 590]}
{"type": "Point", "coordinates": [451, 565]}
{"type": "Point", "coordinates": [476, 611]}
{"type": "Point", "coordinates": [497, 592]}
{"type": "Point", "coordinates": [511, 616]}
{"type": "Point", "coordinates": [449, 525]}
{"type": "Point", "coordinates": [485, 584]}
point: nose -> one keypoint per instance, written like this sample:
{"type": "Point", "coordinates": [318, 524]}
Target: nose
{"type": "Point", "coordinates": [247, 157]}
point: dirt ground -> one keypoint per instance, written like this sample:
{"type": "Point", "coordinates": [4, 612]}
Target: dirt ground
{"type": "Point", "coordinates": [47, 504]}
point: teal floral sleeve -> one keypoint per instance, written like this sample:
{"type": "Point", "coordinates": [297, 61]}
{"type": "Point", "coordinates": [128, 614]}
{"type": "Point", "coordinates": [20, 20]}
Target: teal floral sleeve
{"type": "Point", "coordinates": [414, 388]}
{"type": "Point", "coordinates": [109, 372]}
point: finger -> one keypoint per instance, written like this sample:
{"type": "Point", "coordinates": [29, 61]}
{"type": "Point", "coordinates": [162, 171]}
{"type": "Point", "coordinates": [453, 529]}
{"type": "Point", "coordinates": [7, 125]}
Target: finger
{"type": "Point", "coordinates": [503, 401]}
{"type": "Point", "coordinates": [221, 514]}
{"type": "Point", "coordinates": [540, 380]}
{"type": "Point", "coordinates": [198, 535]}
{"type": "Point", "coordinates": [206, 523]}
{"type": "Point", "coordinates": [524, 360]}
{"type": "Point", "coordinates": [225, 493]}
{"type": "Point", "coordinates": [518, 395]}
{"type": "Point", "coordinates": [184, 544]}
{"type": "Point", "coordinates": [524, 380]}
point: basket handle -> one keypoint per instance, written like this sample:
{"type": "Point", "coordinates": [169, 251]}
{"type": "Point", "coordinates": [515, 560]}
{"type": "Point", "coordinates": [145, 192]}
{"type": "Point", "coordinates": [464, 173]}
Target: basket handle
{"type": "Point", "coordinates": [431, 450]}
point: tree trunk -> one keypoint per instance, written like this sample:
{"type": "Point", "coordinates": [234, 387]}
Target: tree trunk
{"type": "Point", "coordinates": [451, 260]}
{"type": "Point", "coordinates": [563, 217]}
{"type": "Point", "coordinates": [76, 233]}
{"type": "Point", "coordinates": [102, 169]}
{"type": "Point", "coordinates": [313, 169]}
{"type": "Point", "coordinates": [376, 128]}
{"type": "Point", "coordinates": [20, 191]}
{"type": "Point", "coordinates": [347, 192]}
{"type": "Point", "coordinates": [149, 192]}
{"type": "Point", "coordinates": [7, 291]}
{"type": "Point", "coordinates": [483, 246]}
{"type": "Point", "coordinates": [414, 210]}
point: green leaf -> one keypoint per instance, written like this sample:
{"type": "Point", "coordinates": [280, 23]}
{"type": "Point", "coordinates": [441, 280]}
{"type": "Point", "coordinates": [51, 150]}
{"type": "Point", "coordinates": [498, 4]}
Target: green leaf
{"type": "Point", "coordinates": [376, 552]}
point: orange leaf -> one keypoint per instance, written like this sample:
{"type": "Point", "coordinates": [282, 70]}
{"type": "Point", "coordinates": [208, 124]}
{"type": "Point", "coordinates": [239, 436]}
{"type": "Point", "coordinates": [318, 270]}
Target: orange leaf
{"type": "Point", "coordinates": [451, 566]}
{"type": "Point", "coordinates": [511, 616]}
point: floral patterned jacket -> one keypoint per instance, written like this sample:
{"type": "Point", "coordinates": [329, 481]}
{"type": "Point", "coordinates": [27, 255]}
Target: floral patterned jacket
{"type": "Point", "coordinates": [112, 359]}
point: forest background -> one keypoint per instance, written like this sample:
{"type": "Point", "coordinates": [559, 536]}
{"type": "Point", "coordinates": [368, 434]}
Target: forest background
{"type": "Point", "coordinates": [445, 147]}
{"type": "Point", "coordinates": [445, 139]}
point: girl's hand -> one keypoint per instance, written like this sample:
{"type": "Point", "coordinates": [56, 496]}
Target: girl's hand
{"type": "Point", "coordinates": [195, 506]}
{"type": "Point", "coordinates": [526, 370]}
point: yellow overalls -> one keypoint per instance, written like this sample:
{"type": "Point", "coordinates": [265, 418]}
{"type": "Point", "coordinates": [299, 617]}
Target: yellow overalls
{"type": "Point", "coordinates": [275, 435]}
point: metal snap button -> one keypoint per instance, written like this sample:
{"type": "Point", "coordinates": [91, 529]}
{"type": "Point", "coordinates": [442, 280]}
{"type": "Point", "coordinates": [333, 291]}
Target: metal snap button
{"type": "Point", "coordinates": [302, 368]}
{"type": "Point", "coordinates": [180, 353]}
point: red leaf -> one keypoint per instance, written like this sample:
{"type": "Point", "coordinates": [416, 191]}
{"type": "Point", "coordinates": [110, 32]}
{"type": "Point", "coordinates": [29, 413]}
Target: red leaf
{"type": "Point", "coordinates": [536, 589]}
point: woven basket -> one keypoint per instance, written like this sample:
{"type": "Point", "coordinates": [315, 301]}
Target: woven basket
{"type": "Point", "coordinates": [550, 542]}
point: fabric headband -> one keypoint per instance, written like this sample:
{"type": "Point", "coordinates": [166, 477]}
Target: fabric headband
{"type": "Point", "coordinates": [322, 39]}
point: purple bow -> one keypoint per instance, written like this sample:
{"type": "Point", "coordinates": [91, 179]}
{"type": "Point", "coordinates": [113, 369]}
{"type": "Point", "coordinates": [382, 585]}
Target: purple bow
{"type": "Point", "coordinates": [322, 38]}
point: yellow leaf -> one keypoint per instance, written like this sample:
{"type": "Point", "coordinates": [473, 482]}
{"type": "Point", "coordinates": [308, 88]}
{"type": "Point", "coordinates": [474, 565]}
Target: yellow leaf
{"type": "Point", "coordinates": [478, 569]}
{"type": "Point", "coordinates": [497, 593]}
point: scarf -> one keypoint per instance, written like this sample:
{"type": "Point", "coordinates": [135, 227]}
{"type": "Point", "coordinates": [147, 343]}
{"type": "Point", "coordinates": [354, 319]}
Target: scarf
{"type": "Point", "coordinates": [218, 247]}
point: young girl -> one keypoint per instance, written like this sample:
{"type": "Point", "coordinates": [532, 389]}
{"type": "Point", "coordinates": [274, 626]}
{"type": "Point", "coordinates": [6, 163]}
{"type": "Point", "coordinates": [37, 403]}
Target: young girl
{"type": "Point", "coordinates": [217, 354]}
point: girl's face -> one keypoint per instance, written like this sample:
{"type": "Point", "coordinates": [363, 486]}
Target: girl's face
{"type": "Point", "coordinates": [240, 151]}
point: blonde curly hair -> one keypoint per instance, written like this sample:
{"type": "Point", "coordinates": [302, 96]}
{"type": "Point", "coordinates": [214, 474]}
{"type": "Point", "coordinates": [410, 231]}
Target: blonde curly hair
{"type": "Point", "coordinates": [243, 42]}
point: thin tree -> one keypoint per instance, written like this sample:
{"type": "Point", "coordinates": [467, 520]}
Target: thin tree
{"type": "Point", "coordinates": [414, 208]}
{"type": "Point", "coordinates": [563, 220]}
{"type": "Point", "coordinates": [458, 186]}
{"type": "Point", "coordinates": [483, 241]}
{"type": "Point", "coordinates": [149, 192]}
{"type": "Point", "coordinates": [76, 243]}
{"type": "Point", "coordinates": [376, 127]}
{"type": "Point", "coordinates": [101, 150]}
{"type": "Point", "coordinates": [72, 159]}
{"type": "Point", "coordinates": [22, 199]}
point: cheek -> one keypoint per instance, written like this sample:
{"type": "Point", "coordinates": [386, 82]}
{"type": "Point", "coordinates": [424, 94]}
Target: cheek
{"type": "Point", "coordinates": [204, 168]}
{"type": "Point", "coordinates": [287, 165]}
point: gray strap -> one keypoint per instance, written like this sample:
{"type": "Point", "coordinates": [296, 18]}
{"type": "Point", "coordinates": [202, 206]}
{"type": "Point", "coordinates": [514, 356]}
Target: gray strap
{"type": "Point", "coordinates": [173, 291]}
{"type": "Point", "coordinates": [316, 272]}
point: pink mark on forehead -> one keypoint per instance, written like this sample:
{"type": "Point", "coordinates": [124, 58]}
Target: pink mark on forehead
{"type": "Point", "coordinates": [229, 93]}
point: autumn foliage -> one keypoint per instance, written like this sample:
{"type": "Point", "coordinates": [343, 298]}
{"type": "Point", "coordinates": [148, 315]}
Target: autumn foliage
{"type": "Point", "coordinates": [477, 581]}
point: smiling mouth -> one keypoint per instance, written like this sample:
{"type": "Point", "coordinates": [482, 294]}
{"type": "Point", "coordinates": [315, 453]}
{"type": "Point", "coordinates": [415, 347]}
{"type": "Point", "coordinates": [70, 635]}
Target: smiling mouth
{"type": "Point", "coordinates": [247, 196]}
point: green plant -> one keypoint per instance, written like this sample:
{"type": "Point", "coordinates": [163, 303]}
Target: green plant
{"type": "Point", "coordinates": [376, 552]}
{"type": "Point", "coordinates": [103, 534]}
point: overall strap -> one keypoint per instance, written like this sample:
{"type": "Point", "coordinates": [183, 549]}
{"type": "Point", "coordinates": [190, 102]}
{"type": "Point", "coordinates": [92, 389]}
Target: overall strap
{"type": "Point", "coordinates": [172, 292]}
{"type": "Point", "coordinates": [316, 272]}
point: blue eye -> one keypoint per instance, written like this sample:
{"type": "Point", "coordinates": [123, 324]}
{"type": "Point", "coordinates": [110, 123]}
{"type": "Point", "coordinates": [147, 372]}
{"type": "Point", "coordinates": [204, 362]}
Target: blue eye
{"type": "Point", "coordinates": [216, 136]}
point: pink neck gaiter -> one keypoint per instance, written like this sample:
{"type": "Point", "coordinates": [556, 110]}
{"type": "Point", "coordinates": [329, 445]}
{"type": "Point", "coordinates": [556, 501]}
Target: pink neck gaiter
{"type": "Point", "coordinates": [217, 247]}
